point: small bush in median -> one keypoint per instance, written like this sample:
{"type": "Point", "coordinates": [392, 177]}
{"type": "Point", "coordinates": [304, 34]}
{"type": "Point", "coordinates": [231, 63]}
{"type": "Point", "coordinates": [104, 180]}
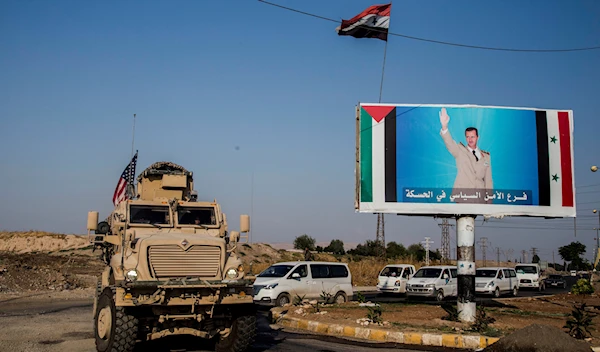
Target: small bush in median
{"type": "Point", "coordinates": [579, 321]}
{"type": "Point", "coordinates": [582, 287]}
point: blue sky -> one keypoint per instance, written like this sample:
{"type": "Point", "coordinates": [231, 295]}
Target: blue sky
{"type": "Point", "coordinates": [205, 78]}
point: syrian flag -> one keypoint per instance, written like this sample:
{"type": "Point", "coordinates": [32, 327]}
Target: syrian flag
{"type": "Point", "coordinates": [555, 161]}
{"type": "Point", "coordinates": [374, 22]}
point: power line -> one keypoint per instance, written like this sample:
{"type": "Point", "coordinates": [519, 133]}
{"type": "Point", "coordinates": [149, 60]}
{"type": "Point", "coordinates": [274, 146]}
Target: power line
{"type": "Point", "coordinates": [439, 41]}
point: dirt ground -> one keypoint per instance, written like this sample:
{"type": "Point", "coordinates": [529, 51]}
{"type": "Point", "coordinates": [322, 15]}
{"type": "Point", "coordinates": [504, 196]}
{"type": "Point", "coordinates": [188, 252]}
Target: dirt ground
{"type": "Point", "coordinates": [509, 314]}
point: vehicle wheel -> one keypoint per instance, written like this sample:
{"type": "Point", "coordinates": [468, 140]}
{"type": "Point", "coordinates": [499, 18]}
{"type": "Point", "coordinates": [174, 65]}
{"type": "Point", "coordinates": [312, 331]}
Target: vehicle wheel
{"type": "Point", "coordinates": [114, 329]}
{"type": "Point", "coordinates": [340, 298]}
{"type": "Point", "coordinates": [497, 292]}
{"type": "Point", "coordinates": [515, 291]}
{"type": "Point", "coordinates": [283, 299]}
{"type": "Point", "coordinates": [439, 296]}
{"type": "Point", "coordinates": [241, 336]}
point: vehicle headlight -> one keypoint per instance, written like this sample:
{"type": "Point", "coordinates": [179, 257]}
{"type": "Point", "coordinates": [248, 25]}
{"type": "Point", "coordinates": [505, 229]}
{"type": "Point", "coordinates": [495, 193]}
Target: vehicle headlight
{"type": "Point", "coordinates": [132, 275]}
{"type": "Point", "coordinates": [491, 284]}
{"type": "Point", "coordinates": [397, 283]}
{"type": "Point", "coordinates": [270, 287]}
{"type": "Point", "coordinates": [430, 285]}
{"type": "Point", "coordinates": [232, 273]}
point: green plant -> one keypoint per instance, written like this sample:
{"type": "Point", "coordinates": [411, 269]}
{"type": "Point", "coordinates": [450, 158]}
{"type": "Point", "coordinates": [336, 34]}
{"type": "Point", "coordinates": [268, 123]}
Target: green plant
{"type": "Point", "coordinates": [579, 321]}
{"type": "Point", "coordinates": [374, 314]}
{"type": "Point", "coordinates": [360, 297]}
{"type": "Point", "coordinates": [482, 320]}
{"type": "Point", "coordinates": [326, 297]}
{"type": "Point", "coordinates": [452, 312]}
{"type": "Point", "coordinates": [298, 300]}
{"type": "Point", "coordinates": [582, 287]}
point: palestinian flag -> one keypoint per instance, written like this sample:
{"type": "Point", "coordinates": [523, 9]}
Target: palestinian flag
{"type": "Point", "coordinates": [374, 22]}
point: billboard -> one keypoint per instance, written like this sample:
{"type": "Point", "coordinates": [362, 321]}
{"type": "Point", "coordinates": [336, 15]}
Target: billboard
{"type": "Point", "coordinates": [464, 159]}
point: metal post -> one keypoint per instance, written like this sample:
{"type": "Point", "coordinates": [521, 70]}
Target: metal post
{"type": "Point", "coordinates": [465, 232]}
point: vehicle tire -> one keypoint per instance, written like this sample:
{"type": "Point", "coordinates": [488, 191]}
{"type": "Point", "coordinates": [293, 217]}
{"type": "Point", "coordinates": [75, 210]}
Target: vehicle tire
{"type": "Point", "coordinates": [497, 292]}
{"type": "Point", "coordinates": [114, 329]}
{"type": "Point", "coordinates": [439, 296]}
{"type": "Point", "coordinates": [242, 335]}
{"type": "Point", "coordinates": [283, 299]}
{"type": "Point", "coordinates": [515, 291]}
{"type": "Point", "coordinates": [340, 298]}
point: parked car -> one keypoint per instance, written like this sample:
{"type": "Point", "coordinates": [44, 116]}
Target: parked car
{"type": "Point", "coordinates": [496, 281]}
{"type": "Point", "coordinates": [393, 278]}
{"type": "Point", "coordinates": [530, 276]}
{"type": "Point", "coordinates": [433, 281]}
{"type": "Point", "coordinates": [556, 281]}
{"type": "Point", "coordinates": [280, 283]}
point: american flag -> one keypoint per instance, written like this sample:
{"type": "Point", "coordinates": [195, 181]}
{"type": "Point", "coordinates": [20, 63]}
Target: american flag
{"type": "Point", "coordinates": [127, 177]}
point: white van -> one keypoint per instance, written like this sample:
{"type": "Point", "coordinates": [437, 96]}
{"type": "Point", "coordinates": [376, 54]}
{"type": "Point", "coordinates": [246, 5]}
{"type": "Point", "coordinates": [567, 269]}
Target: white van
{"type": "Point", "coordinates": [433, 281]}
{"type": "Point", "coordinates": [280, 283]}
{"type": "Point", "coordinates": [496, 281]}
{"type": "Point", "coordinates": [530, 276]}
{"type": "Point", "coordinates": [393, 278]}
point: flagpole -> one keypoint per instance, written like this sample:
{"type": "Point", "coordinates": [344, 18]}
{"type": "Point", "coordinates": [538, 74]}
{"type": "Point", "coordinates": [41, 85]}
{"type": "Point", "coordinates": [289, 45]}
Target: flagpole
{"type": "Point", "coordinates": [385, 55]}
{"type": "Point", "coordinates": [132, 137]}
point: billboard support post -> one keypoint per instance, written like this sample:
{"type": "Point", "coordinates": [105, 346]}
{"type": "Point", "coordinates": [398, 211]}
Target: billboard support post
{"type": "Point", "coordinates": [465, 242]}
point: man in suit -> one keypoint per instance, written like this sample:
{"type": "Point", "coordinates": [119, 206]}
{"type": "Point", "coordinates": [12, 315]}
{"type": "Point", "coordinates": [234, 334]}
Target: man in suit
{"type": "Point", "coordinates": [474, 166]}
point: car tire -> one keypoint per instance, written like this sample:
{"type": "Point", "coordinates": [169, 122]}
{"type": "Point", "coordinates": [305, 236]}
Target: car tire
{"type": "Point", "coordinates": [340, 298]}
{"type": "Point", "coordinates": [114, 328]}
{"type": "Point", "coordinates": [283, 299]}
{"type": "Point", "coordinates": [497, 292]}
{"type": "Point", "coordinates": [439, 296]}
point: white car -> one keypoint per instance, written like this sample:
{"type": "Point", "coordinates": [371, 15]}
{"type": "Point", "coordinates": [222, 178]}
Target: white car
{"type": "Point", "coordinates": [393, 278]}
{"type": "Point", "coordinates": [280, 283]}
{"type": "Point", "coordinates": [433, 281]}
{"type": "Point", "coordinates": [496, 281]}
{"type": "Point", "coordinates": [530, 276]}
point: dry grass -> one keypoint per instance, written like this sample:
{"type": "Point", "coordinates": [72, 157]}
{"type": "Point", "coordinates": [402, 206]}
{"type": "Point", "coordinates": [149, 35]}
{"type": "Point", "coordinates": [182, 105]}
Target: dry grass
{"type": "Point", "coordinates": [31, 233]}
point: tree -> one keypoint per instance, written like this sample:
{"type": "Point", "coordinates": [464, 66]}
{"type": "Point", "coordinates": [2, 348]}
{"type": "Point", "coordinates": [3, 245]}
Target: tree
{"type": "Point", "coordinates": [319, 249]}
{"type": "Point", "coordinates": [535, 259]}
{"type": "Point", "coordinates": [395, 250]}
{"type": "Point", "coordinates": [336, 247]}
{"type": "Point", "coordinates": [417, 251]}
{"type": "Point", "coordinates": [572, 253]}
{"type": "Point", "coordinates": [370, 248]}
{"type": "Point", "coordinates": [304, 242]}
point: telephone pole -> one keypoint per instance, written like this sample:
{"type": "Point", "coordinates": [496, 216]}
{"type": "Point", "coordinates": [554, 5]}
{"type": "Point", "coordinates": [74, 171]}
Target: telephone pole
{"type": "Point", "coordinates": [380, 236]}
{"type": "Point", "coordinates": [523, 256]}
{"type": "Point", "coordinates": [483, 244]}
{"type": "Point", "coordinates": [427, 242]}
{"type": "Point", "coordinates": [533, 252]}
{"type": "Point", "coordinates": [498, 256]}
{"type": "Point", "coordinates": [445, 240]}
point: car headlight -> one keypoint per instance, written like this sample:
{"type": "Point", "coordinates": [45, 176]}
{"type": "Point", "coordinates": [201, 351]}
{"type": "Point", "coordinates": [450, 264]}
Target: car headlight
{"type": "Point", "coordinates": [232, 273]}
{"type": "Point", "coordinates": [491, 284]}
{"type": "Point", "coordinates": [397, 283]}
{"type": "Point", "coordinates": [270, 287]}
{"type": "Point", "coordinates": [430, 285]}
{"type": "Point", "coordinates": [132, 275]}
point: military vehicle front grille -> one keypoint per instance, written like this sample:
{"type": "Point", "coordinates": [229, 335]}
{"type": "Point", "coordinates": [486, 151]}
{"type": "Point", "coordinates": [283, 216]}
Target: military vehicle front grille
{"type": "Point", "coordinates": [173, 261]}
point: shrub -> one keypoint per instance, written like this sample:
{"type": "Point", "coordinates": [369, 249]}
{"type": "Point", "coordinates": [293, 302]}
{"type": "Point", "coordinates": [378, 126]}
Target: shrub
{"type": "Point", "coordinates": [579, 321]}
{"type": "Point", "coordinates": [374, 314]}
{"type": "Point", "coordinates": [452, 312]}
{"type": "Point", "coordinates": [482, 320]}
{"type": "Point", "coordinates": [582, 287]}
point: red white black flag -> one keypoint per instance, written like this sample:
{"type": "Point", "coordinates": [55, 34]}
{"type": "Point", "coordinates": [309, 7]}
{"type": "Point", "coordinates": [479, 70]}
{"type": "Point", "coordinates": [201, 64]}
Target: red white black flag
{"type": "Point", "coordinates": [374, 22]}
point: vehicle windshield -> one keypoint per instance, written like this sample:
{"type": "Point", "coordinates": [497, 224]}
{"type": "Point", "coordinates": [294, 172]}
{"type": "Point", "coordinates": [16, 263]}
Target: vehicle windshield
{"type": "Point", "coordinates": [276, 271]}
{"type": "Point", "coordinates": [196, 216]}
{"type": "Point", "coordinates": [526, 269]}
{"type": "Point", "coordinates": [149, 214]}
{"type": "Point", "coordinates": [391, 271]}
{"type": "Point", "coordinates": [428, 273]}
{"type": "Point", "coordinates": [485, 273]}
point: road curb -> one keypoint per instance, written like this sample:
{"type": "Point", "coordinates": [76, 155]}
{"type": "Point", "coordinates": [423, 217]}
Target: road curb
{"type": "Point", "coordinates": [382, 335]}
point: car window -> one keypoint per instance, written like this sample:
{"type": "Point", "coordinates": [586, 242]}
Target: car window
{"type": "Point", "coordinates": [500, 274]}
{"type": "Point", "coordinates": [302, 270]}
{"type": "Point", "coordinates": [319, 271]}
{"type": "Point", "coordinates": [406, 273]}
{"type": "Point", "coordinates": [338, 271]}
{"type": "Point", "coordinates": [454, 272]}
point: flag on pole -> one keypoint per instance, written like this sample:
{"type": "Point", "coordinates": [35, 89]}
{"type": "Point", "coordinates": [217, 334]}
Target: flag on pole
{"type": "Point", "coordinates": [374, 22]}
{"type": "Point", "coordinates": [126, 178]}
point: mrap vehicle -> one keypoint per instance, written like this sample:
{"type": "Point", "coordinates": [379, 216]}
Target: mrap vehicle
{"type": "Point", "coordinates": [171, 267]}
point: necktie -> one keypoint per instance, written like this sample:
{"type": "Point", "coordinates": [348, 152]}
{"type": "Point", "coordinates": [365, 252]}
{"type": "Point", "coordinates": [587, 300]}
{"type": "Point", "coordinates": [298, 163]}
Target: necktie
{"type": "Point", "coordinates": [476, 158]}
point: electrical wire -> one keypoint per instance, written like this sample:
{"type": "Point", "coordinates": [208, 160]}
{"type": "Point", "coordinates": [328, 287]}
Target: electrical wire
{"type": "Point", "coordinates": [440, 41]}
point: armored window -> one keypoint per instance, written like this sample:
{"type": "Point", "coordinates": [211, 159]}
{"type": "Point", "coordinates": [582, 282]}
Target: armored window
{"type": "Point", "coordinates": [196, 216]}
{"type": "Point", "coordinates": [147, 214]}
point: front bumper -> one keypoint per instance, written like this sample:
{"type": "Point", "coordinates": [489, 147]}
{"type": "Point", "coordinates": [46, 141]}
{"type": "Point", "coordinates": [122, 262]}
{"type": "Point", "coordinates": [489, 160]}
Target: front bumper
{"type": "Point", "coordinates": [421, 291]}
{"type": "Point", "coordinates": [485, 290]}
{"type": "Point", "coordinates": [390, 289]}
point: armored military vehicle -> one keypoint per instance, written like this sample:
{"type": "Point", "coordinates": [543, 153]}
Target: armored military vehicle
{"type": "Point", "coordinates": [171, 267]}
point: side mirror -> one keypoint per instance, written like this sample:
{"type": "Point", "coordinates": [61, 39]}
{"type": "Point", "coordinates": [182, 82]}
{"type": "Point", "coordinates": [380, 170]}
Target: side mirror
{"type": "Point", "coordinates": [244, 223]}
{"type": "Point", "coordinates": [92, 221]}
{"type": "Point", "coordinates": [295, 276]}
{"type": "Point", "coordinates": [234, 236]}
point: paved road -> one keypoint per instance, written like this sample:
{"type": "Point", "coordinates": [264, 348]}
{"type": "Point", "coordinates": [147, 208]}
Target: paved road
{"type": "Point", "coordinates": [66, 326]}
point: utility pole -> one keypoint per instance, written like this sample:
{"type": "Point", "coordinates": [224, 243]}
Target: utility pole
{"type": "Point", "coordinates": [508, 254]}
{"type": "Point", "coordinates": [523, 256]}
{"type": "Point", "coordinates": [445, 240]}
{"type": "Point", "coordinates": [498, 256]}
{"type": "Point", "coordinates": [427, 242]}
{"type": "Point", "coordinates": [483, 244]}
{"type": "Point", "coordinates": [380, 236]}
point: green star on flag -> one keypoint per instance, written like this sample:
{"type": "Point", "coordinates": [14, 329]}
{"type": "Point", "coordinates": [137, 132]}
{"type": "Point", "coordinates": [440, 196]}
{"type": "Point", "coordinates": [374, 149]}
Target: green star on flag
{"type": "Point", "coordinates": [555, 177]}
{"type": "Point", "coordinates": [553, 139]}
